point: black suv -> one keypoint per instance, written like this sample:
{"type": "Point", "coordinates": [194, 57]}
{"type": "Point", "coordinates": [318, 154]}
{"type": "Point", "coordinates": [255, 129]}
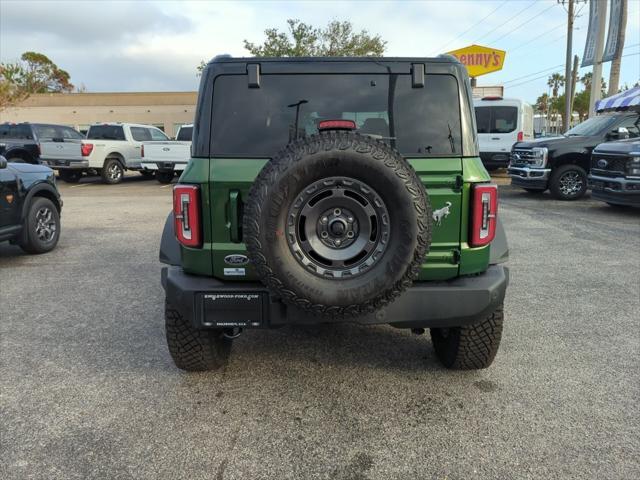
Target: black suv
{"type": "Point", "coordinates": [561, 164]}
{"type": "Point", "coordinates": [30, 206]}
{"type": "Point", "coordinates": [615, 173]}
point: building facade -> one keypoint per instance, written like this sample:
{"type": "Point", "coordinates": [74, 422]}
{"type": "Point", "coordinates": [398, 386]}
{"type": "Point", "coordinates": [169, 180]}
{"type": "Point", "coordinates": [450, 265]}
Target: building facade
{"type": "Point", "coordinates": [165, 110]}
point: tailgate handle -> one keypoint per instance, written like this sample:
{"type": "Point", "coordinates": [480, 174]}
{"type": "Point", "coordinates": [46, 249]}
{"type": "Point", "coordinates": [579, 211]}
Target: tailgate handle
{"type": "Point", "coordinates": [233, 214]}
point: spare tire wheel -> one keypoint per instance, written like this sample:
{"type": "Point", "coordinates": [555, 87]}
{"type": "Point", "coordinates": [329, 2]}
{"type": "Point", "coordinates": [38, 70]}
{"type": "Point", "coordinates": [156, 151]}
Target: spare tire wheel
{"type": "Point", "coordinates": [337, 224]}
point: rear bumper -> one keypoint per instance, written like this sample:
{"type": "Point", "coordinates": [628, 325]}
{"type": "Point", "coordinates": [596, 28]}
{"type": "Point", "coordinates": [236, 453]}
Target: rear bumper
{"type": "Point", "coordinates": [616, 190]}
{"type": "Point", "coordinates": [209, 302]}
{"type": "Point", "coordinates": [67, 164]}
{"type": "Point", "coordinates": [495, 159]}
{"type": "Point", "coordinates": [526, 177]}
{"type": "Point", "coordinates": [167, 166]}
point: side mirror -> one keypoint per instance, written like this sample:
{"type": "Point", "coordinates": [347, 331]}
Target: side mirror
{"type": "Point", "coordinates": [619, 133]}
{"type": "Point", "coordinates": [3, 162]}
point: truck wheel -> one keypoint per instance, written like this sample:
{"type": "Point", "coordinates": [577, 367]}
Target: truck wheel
{"type": "Point", "coordinates": [41, 227]}
{"type": "Point", "coordinates": [569, 182]}
{"type": "Point", "coordinates": [470, 347]}
{"type": "Point", "coordinates": [70, 176]}
{"type": "Point", "coordinates": [112, 171]}
{"type": "Point", "coordinates": [337, 224]}
{"type": "Point", "coordinates": [164, 176]}
{"type": "Point", "coordinates": [147, 173]}
{"type": "Point", "coordinates": [192, 349]}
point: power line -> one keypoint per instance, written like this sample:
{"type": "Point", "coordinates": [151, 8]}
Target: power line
{"type": "Point", "coordinates": [504, 23]}
{"type": "Point", "coordinates": [472, 27]}
{"type": "Point", "coordinates": [524, 23]}
{"type": "Point", "coordinates": [542, 76]}
{"type": "Point", "coordinates": [537, 37]}
{"type": "Point", "coordinates": [534, 73]}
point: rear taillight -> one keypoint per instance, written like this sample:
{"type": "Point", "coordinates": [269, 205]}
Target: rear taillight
{"type": "Point", "coordinates": [484, 214]}
{"type": "Point", "coordinates": [142, 150]}
{"type": "Point", "coordinates": [186, 214]}
{"type": "Point", "coordinates": [520, 136]}
{"type": "Point", "coordinates": [86, 149]}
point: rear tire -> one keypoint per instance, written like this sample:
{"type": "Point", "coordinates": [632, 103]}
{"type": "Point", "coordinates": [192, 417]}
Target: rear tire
{"type": "Point", "coordinates": [192, 349]}
{"type": "Point", "coordinates": [41, 230]}
{"type": "Point", "coordinates": [147, 174]}
{"type": "Point", "coordinates": [164, 176]}
{"type": "Point", "coordinates": [112, 171]}
{"type": "Point", "coordinates": [568, 182]}
{"type": "Point", "coordinates": [470, 347]}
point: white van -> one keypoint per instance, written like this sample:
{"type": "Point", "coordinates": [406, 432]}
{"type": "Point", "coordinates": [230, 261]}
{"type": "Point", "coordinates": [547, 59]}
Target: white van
{"type": "Point", "coordinates": [501, 123]}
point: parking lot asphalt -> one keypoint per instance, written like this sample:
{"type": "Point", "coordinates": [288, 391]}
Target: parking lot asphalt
{"type": "Point", "coordinates": [88, 389]}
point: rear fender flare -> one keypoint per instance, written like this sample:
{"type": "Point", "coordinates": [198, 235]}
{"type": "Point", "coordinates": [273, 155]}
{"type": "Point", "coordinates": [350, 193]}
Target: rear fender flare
{"type": "Point", "coordinates": [169, 246]}
{"type": "Point", "coordinates": [499, 250]}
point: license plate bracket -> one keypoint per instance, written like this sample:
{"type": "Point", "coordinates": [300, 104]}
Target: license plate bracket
{"type": "Point", "coordinates": [232, 309]}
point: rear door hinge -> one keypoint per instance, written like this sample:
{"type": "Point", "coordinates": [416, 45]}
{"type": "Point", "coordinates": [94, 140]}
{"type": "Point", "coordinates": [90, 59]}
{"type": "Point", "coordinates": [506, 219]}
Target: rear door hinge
{"type": "Point", "coordinates": [459, 183]}
{"type": "Point", "coordinates": [233, 214]}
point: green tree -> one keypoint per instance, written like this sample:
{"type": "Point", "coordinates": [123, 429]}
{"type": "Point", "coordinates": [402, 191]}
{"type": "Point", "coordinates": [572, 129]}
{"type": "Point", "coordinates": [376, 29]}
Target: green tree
{"type": "Point", "coordinates": [542, 103]}
{"type": "Point", "coordinates": [586, 81]}
{"type": "Point", "coordinates": [34, 73]}
{"type": "Point", "coordinates": [555, 81]}
{"type": "Point", "coordinates": [337, 39]}
{"type": "Point", "coordinates": [581, 103]}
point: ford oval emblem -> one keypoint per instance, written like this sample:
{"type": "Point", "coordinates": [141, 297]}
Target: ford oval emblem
{"type": "Point", "coordinates": [165, 149]}
{"type": "Point", "coordinates": [236, 259]}
{"type": "Point", "coordinates": [602, 163]}
{"type": "Point", "coordinates": [515, 157]}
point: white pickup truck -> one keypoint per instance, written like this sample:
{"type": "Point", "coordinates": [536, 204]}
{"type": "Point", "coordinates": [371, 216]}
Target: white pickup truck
{"type": "Point", "coordinates": [112, 148]}
{"type": "Point", "coordinates": [167, 158]}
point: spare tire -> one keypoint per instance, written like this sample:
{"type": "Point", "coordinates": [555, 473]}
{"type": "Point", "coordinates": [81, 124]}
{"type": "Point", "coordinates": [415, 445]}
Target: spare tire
{"type": "Point", "coordinates": [337, 224]}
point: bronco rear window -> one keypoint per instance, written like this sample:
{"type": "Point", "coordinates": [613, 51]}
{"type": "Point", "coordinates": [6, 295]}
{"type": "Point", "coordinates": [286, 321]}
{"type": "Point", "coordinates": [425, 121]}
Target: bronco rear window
{"type": "Point", "coordinates": [257, 122]}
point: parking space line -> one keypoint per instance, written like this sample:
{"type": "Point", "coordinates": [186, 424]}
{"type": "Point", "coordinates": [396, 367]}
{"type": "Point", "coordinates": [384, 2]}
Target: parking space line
{"type": "Point", "coordinates": [165, 186]}
{"type": "Point", "coordinates": [80, 185]}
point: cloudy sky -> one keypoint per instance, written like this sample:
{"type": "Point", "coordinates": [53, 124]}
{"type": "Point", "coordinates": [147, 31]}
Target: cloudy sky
{"type": "Point", "coordinates": [156, 45]}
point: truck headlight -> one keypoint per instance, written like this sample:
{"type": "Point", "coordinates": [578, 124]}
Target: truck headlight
{"type": "Point", "coordinates": [539, 156]}
{"type": "Point", "coordinates": [633, 165]}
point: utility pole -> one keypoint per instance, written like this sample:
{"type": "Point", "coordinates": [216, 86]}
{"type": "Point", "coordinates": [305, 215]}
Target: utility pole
{"type": "Point", "coordinates": [614, 74]}
{"type": "Point", "coordinates": [574, 81]}
{"type": "Point", "coordinates": [596, 80]}
{"type": "Point", "coordinates": [568, 89]}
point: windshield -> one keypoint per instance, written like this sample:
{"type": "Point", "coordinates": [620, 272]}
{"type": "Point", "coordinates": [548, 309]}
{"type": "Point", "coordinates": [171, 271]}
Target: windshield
{"type": "Point", "coordinates": [257, 122]}
{"type": "Point", "coordinates": [496, 119]}
{"type": "Point", "coordinates": [593, 126]}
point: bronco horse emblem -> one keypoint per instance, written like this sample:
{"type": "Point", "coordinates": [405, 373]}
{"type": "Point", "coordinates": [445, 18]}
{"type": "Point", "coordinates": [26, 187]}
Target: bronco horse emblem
{"type": "Point", "coordinates": [441, 213]}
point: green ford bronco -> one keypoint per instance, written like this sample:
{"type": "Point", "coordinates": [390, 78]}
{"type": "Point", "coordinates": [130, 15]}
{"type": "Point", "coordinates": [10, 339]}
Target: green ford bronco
{"type": "Point", "coordinates": [326, 190]}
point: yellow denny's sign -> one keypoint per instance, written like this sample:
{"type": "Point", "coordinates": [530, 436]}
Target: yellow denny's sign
{"type": "Point", "coordinates": [480, 60]}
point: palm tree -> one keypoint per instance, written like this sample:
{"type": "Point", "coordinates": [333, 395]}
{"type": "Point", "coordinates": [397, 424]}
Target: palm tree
{"type": "Point", "coordinates": [542, 103]}
{"type": "Point", "coordinates": [555, 81]}
{"type": "Point", "coordinates": [586, 81]}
